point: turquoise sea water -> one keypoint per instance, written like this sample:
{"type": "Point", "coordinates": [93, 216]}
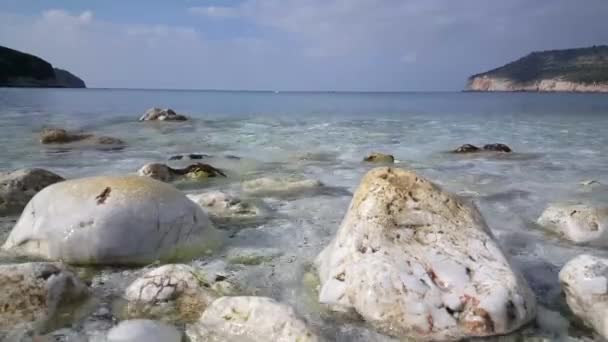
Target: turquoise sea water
{"type": "Point", "coordinates": [560, 140]}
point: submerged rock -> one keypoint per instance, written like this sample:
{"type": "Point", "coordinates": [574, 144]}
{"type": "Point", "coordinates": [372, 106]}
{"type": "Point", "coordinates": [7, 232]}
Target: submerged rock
{"type": "Point", "coordinates": [377, 157]}
{"type": "Point", "coordinates": [192, 156]}
{"type": "Point", "coordinates": [278, 186]}
{"type": "Point", "coordinates": [497, 148]}
{"type": "Point", "coordinates": [170, 291]}
{"type": "Point", "coordinates": [252, 319]}
{"type": "Point", "coordinates": [112, 220]}
{"type": "Point", "coordinates": [579, 223]}
{"type": "Point", "coordinates": [165, 173]}
{"type": "Point", "coordinates": [33, 293]}
{"type": "Point", "coordinates": [225, 207]}
{"type": "Point", "coordinates": [467, 148]}
{"type": "Point", "coordinates": [158, 114]}
{"type": "Point", "coordinates": [417, 262]}
{"type": "Point", "coordinates": [584, 280]}
{"type": "Point", "coordinates": [18, 187]}
{"type": "Point", "coordinates": [143, 330]}
{"type": "Point", "coordinates": [61, 136]}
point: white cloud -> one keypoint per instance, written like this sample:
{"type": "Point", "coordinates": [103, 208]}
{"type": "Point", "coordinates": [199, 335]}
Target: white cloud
{"type": "Point", "coordinates": [215, 11]}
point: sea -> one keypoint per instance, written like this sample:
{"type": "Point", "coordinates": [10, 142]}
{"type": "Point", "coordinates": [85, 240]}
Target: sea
{"type": "Point", "coordinates": [560, 154]}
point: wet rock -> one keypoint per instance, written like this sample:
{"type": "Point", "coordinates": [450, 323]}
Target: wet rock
{"type": "Point", "coordinates": [278, 186]}
{"type": "Point", "coordinates": [417, 262]}
{"type": "Point", "coordinates": [175, 290]}
{"type": "Point", "coordinates": [112, 220]}
{"type": "Point", "coordinates": [584, 280]}
{"type": "Point", "coordinates": [497, 148]}
{"type": "Point", "coordinates": [252, 319]}
{"type": "Point", "coordinates": [251, 256]}
{"type": "Point", "coordinates": [18, 187]}
{"type": "Point", "coordinates": [162, 172]}
{"type": "Point", "coordinates": [192, 156]}
{"type": "Point", "coordinates": [33, 293]}
{"type": "Point", "coordinates": [158, 114]}
{"type": "Point", "coordinates": [377, 157]}
{"type": "Point", "coordinates": [225, 207]}
{"type": "Point", "coordinates": [579, 223]}
{"type": "Point", "coordinates": [61, 136]}
{"type": "Point", "coordinates": [467, 148]}
{"type": "Point", "coordinates": [143, 330]}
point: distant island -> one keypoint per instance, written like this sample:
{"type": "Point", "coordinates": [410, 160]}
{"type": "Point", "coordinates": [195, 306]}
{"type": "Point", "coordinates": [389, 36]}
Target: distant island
{"type": "Point", "coordinates": [570, 70]}
{"type": "Point", "coordinates": [18, 69]}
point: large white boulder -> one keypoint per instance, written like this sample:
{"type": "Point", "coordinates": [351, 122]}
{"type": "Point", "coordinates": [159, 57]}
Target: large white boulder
{"type": "Point", "coordinates": [143, 330]}
{"type": "Point", "coordinates": [579, 223]}
{"type": "Point", "coordinates": [112, 220]}
{"type": "Point", "coordinates": [249, 319]}
{"type": "Point", "coordinates": [170, 290]}
{"type": "Point", "coordinates": [32, 293]}
{"type": "Point", "coordinates": [417, 262]}
{"type": "Point", "coordinates": [18, 187]}
{"type": "Point", "coordinates": [584, 280]}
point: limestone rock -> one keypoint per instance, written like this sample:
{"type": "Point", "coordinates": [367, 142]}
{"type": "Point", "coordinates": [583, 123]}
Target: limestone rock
{"type": "Point", "coordinates": [112, 220]}
{"type": "Point", "coordinates": [158, 114]}
{"type": "Point", "coordinates": [143, 330]}
{"type": "Point", "coordinates": [221, 206]}
{"type": "Point", "coordinates": [417, 262]}
{"type": "Point", "coordinates": [579, 223]}
{"type": "Point", "coordinates": [18, 187]}
{"type": "Point", "coordinates": [278, 186]}
{"type": "Point", "coordinates": [32, 293]}
{"type": "Point", "coordinates": [170, 291]}
{"type": "Point", "coordinates": [377, 157]}
{"type": "Point", "coordinates": [468, 148]}
{"type": "Point", "coordinates": [162, 172]}
{"type": "Point", "coordinates": [584, 280]}
{"type": "Point", "coordinates": [251, 319]}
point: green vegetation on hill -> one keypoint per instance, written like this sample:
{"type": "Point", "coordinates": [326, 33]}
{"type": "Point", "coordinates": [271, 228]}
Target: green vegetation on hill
{"type": "Point", "coordinates": [18, 69]}
{"type": "Point", "coordinates": [584, 65]}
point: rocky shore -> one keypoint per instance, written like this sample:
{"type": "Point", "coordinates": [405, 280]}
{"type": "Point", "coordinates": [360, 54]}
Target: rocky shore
{"type": "Point", "coordinates": [142, 257]}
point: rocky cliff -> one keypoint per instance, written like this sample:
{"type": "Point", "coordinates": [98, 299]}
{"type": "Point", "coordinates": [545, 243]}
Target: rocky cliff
{"type": "Point", "coordinates": [571, 70]}
{"type": "Point", "coordinates": [18, 69]}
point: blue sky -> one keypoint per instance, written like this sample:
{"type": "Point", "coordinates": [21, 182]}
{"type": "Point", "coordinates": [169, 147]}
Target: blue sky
{"type": "Point", "coordinates": [294, 44]}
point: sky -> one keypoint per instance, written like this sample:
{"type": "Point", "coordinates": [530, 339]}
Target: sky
{"type": "Point", "coordinates": [349, 45]}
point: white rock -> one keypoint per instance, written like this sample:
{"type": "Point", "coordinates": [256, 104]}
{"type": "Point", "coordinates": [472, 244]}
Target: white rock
{"type": "Point", "coordinates": [579, 223]}
{"type": "Point", "coordinates": [157, 171]}
{"type": "Point", "coordinates": [251, 319]}
{"type": "Point", "coordinates": [158, 114]}
{"type": "Point", "coordinates": [584, 280]}
{"type": "Point", "coordinates": [277, 186]}
{"type": "Point", "coordinates": [112, 220]}
{"type": "Point", "coordinates": [222, 206]}
{"type": "Point", "coordinates": [171, 289]}
{"type": "Point", "coordinates": [143, 330]}
{"type": "Point", "coordinates": [417, 262]}
{"type": "Point", "coordinates": [33, 292]}
{"type": "Point", "coordinates": [18, 187]}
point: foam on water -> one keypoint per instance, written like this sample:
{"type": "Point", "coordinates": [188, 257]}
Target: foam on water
{"type": "Point", "coordinates": [559, 141]}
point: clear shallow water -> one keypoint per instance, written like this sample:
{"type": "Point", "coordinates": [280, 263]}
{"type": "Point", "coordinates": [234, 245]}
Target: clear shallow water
{"type": "Point", "coordinates": [559, 140]}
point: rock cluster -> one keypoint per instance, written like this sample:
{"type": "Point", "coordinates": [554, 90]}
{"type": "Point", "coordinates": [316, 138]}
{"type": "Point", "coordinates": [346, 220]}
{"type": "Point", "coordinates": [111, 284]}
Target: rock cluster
{"type": "Point", "coordinates": [61, 136]}
{"type": "Point", "coordinates": [164, 173]}
{"type": "Point", "coordinates": [468, 148]}
{"type": "Point", "coordinates": [377, 157]}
